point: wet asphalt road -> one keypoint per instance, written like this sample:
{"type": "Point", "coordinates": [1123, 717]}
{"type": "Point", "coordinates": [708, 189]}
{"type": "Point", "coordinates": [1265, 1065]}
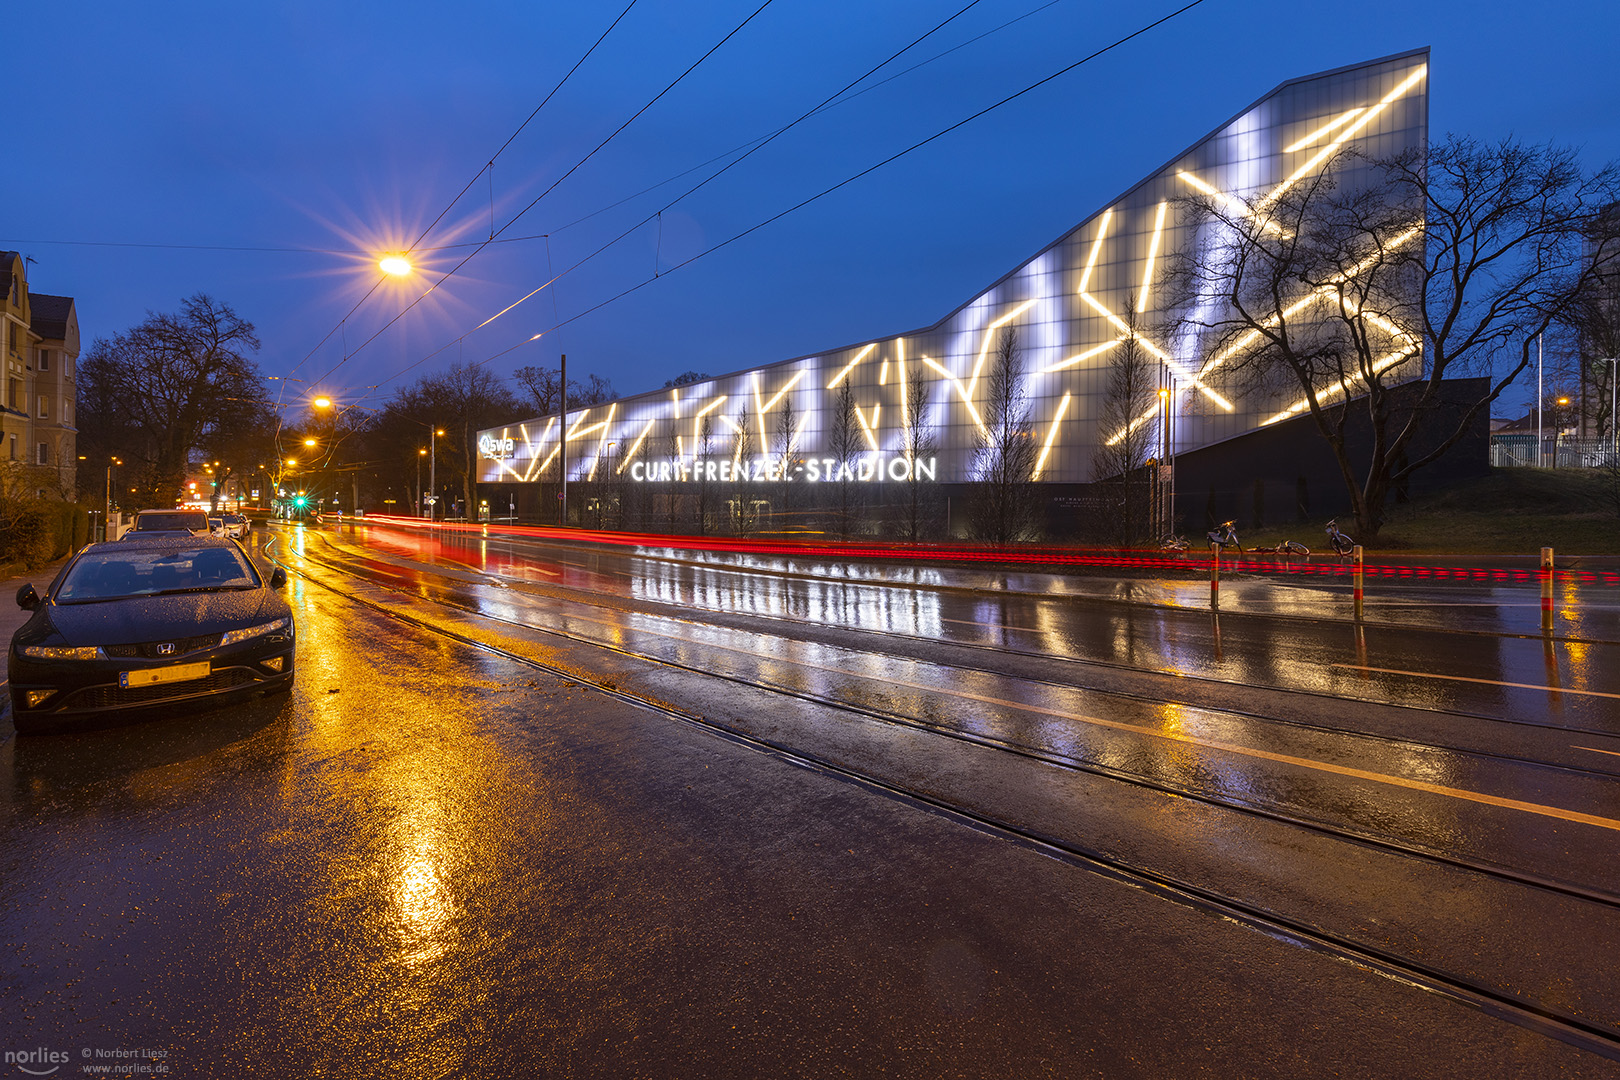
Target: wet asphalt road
{"type": "Point", "coordinates": [438, 860]}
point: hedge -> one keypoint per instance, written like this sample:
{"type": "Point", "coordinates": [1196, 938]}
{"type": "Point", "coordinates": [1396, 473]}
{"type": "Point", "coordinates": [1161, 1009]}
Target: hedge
{"type": "Point", "coordinates": [35, 532]}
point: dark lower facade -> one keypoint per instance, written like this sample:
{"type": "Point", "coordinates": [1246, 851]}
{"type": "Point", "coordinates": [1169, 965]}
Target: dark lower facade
{"type": "Point", "coordinates": [1281, 475]}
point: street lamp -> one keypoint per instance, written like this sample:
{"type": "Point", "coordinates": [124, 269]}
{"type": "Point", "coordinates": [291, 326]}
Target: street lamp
{"type": "Point", "coordinates": [106, 521]}
{"type": "Point", "coordinates": [394, 265]}
{"type": "Point", "coordinates": [433, 468]}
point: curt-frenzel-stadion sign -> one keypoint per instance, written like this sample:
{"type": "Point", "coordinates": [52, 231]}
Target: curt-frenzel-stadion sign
{"type": "Point", "coordinates": [864, 470]}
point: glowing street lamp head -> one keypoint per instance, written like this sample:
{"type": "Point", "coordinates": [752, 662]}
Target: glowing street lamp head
{"type": "Point", "coordinates": [309, 442]}
{"type": "Point", "coordinates": [292, 461]}
{"type": "Point", "coordinates": [394, 265]}
{"type": "Point", "coordinates": [323, 403]}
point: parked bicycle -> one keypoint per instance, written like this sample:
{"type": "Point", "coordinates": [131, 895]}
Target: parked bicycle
{"type": "Point", "coordinates": [1342, 544]}
{"type": "Point", "coordinates": [1284, 547]}
{"type": "Point", "coordinates": [1224, 536]}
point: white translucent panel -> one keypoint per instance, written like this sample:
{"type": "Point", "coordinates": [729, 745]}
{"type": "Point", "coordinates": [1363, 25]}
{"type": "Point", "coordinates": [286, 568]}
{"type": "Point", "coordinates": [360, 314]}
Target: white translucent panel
{"type": "Point", "coordinates": [1069, 306]}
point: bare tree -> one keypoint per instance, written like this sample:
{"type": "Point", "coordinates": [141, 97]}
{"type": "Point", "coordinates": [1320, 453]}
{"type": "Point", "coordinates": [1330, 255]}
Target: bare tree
{"type": "Point", "coordinates": [918, 442]}
{"type": "Point", "coordinates": [786, 438]}
{"type": "Point", "coordinates": [1003, 508]}
{"type": "Point", "coordinates": [844, 444]}
{"type": "Point", "coordinates": [542, 386]}
{"type": "Point", "coordinates": [705, 495]}
{"type": "Point", "coordinates": [1595, 318]}
{"type": "Point", "coordinates": [163, 387]}
{"type": "Point", "coordinates": [460, 400]}
{"type": "Point", "coordinates": [672, 486]}
{"type": "Point", "coordinates": [1121, 462]}
{"type": "Point", "coordinates": [742, 510]}
{"type": "Point", "coordinates": [1418, 270]}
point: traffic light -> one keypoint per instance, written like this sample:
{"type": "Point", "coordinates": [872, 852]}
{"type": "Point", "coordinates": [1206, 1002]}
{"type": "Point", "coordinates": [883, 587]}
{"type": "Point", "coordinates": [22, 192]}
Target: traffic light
{"type": "Point", "coordinates": [301, 502]}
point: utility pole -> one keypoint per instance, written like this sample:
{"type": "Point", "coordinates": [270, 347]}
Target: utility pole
{"type": "Point", "coordinates": [563, 451]}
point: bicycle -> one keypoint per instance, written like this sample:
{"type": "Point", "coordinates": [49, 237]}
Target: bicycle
{"type": "Point", "coordinates": [1224, 536]}
{"type": "Point", "coordinates": [1287, 548]}
{"type": "Point", "coordinates": [1343, 546]}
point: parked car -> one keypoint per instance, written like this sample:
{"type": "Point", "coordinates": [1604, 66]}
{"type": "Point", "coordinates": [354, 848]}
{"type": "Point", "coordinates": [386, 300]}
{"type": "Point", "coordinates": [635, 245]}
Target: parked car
{"type": "Point", "coordinates": [149, 621]}
{"type": "Point", "coordinates": [236, 526]}
{"type": "Point", "coordinates": [171, 522]}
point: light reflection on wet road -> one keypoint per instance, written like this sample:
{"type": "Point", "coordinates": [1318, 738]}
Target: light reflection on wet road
{"type": "Point", "coordinates": [433, 860]}
{"type": "Point", "coordinates": [1314, 648]}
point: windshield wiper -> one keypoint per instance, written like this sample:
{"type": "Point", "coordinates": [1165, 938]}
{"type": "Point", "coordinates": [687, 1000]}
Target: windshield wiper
{"type": "Point", "coordinates": [200, 588]}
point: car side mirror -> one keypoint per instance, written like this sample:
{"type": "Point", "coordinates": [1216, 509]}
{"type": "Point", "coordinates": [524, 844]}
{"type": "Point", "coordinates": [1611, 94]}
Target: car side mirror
{"type": "Point", "coordinates": [278, 580]}
{"type": "Point", "coordinates": [27, 598]}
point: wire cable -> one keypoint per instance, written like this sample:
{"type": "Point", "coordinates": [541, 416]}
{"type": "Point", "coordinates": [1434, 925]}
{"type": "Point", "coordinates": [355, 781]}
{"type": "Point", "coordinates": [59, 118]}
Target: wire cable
{"type": "Point", "coordinates": [797, 206]}
{"type": "Point", "coordinates": [513, 220]}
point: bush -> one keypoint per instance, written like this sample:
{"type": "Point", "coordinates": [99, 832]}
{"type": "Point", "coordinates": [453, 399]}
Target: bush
{"type": "Point", "coordinates": [35, 532]}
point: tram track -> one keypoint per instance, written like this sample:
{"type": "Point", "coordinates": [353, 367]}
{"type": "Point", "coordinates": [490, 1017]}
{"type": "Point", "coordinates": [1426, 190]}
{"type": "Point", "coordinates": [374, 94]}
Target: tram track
{"type": "Point", "coordinates": [1549, 1020]}
{"type": "Point", "coordinates": [890, 634]}
{"type": "Point", "coordinates": [1049, 757]}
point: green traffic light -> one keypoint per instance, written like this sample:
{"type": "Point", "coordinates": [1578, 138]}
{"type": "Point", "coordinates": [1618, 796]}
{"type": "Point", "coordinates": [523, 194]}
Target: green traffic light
{"type": "Point", "coordinates": [300, 501]}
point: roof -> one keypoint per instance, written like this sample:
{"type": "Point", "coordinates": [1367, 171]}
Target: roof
{"type": "Point", "coordinates": [48, 315]}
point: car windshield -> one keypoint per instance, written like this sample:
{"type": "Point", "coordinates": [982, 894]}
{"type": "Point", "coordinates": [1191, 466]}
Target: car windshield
{"type": "Point", "coordinates": [111, 575]}
{"type": "Point", "coordinates": [180, 519]}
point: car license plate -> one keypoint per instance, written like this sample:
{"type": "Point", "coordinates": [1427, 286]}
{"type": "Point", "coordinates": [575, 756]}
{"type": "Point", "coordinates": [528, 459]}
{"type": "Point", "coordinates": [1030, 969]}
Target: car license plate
{"type": "Point", "coordinates": [153, 676]}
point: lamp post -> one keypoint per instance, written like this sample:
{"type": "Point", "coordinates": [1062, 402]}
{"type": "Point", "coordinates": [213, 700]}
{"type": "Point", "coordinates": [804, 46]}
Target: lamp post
{"type": "Point", "coordinates": [106, 521]}
{"type": "Point", "coordinates": [420, 454]}
{"type": "Point", "coordinates": [433, 468]}
{"type": "Point", "coordinates": [1614, 399]}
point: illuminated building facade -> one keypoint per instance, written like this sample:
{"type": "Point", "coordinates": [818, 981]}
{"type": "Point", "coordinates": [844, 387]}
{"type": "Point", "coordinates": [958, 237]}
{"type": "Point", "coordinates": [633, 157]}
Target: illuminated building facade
{"type": "Point", "coordinates": [1071, 306]}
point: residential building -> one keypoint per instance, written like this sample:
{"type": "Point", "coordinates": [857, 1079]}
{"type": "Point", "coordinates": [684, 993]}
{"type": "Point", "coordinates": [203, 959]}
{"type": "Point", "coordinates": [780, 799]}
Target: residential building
{"type": "Point", "coordinates": [40, 343]}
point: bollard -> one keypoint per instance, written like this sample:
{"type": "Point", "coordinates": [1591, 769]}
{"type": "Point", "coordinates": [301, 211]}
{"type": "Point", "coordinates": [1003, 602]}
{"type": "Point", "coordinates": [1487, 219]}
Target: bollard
{"type": "Point", "coordinates": [1215, 580]}
{"type": "Point", "coordinates": [1356, 579]}
{"type": "Point", "coordinates": [1546, 590]}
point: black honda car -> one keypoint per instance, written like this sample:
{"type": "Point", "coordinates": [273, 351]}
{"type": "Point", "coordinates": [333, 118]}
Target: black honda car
{"type": "Point", "coordinates": [147, 624]}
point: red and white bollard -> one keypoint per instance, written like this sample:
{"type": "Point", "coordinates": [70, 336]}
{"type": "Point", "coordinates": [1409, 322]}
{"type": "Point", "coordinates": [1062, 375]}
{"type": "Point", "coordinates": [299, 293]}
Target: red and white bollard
{"type": "Point", "coordinates": [1356, 578]}
{"type": "Point", "coordinates": [1215, 580]}
{"type": "Point", "coordinates": [1546, 590]}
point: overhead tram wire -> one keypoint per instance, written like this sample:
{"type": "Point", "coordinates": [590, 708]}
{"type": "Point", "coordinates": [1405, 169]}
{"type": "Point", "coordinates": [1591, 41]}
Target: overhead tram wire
{"type": "Point", "coordinates": [750, 147]}
{"type": "Point", "coordinates": [577, 166]}
{"type": "Point", "coordinates": [417, 248]}
{"type": "Point", "coordinates": [451, 205]}
{"type": "Point", "coordinates": [375, 285]}
{"type": "Point", "coordinates": [830, 104]}
{"type": "Point", "coordinates": [796, 206]}
{"type": "Point", "coordinates": [509, 139]}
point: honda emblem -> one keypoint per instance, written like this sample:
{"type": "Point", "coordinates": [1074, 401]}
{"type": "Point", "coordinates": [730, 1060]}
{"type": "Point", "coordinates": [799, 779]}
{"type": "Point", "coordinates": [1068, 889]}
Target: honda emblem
{"type": "Point", "coordinates": [166, 649]}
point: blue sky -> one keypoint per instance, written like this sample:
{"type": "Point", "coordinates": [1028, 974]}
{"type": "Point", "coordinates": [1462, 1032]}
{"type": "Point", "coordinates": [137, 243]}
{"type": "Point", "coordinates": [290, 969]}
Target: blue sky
{"type": "Point", "coordinates": [347, 127]}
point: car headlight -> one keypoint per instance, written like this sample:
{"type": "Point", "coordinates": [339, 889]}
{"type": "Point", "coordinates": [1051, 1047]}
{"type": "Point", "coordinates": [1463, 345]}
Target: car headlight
{"type": "Point", "coordinates": [63, 652]}
{"type": "Point", "coordinates": [247, 633]}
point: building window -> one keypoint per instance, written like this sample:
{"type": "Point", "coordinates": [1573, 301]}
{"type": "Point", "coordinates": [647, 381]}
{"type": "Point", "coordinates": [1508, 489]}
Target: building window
{"type": "Point", "coordinates": [13, 393]}
{"type": "Point", "coordinates": [14, 448]}
{"type": "Point", "coordinates": [44, 406]}
{"type": "Point", "coordinates": [44, 359]}
{"type": "Point", "coordinates": [44, 456]}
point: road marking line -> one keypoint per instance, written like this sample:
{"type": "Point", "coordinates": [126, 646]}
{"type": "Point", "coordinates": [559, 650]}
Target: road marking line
{"type": "Point", "coordinates": [1487, 682]}
{"type": "Point", "coordinates": [1595, 750]}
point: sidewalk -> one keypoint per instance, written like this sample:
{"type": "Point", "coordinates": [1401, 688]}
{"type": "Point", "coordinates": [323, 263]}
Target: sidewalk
{"type": "Point", "coordinates": [12, 616]}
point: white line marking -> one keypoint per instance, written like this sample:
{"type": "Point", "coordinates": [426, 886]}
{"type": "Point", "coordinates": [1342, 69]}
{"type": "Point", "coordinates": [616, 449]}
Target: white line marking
{"type": "Point", "coordinates": [1487, 682]}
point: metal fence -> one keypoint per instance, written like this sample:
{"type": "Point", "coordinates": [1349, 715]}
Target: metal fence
{"type": "Point", "coordinates": [1554, 452]}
